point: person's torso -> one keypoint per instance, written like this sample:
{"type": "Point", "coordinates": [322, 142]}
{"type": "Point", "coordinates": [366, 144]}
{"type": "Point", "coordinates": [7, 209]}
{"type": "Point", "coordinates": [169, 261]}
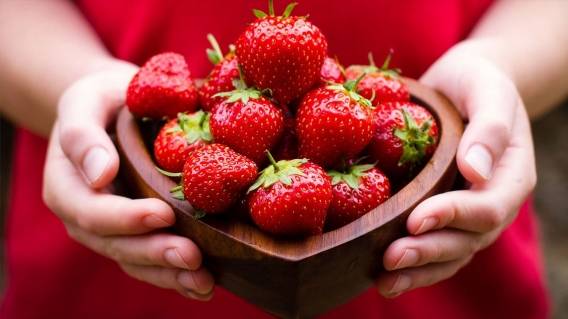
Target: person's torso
{"type": "Point", "coordinates": [418, 31]}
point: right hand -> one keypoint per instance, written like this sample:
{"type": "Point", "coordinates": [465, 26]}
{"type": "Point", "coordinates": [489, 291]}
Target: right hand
{"type": "Point", "coordinates": [80, 166]}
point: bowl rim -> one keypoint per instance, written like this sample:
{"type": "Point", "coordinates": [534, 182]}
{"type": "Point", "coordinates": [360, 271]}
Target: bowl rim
{"type": "Point", "coordinates": [450, 127]}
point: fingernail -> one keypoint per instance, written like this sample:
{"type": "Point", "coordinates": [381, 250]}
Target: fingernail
{"type": "Point", "coordinates": [187, 280]}
{"type": "Point", "coordinates": [174, 258]}
{"type": "Point", "coordinates": [193, 295]}
{"type": "Point", "coordinates": [402, 283]}
{"type": "Point", "coordinates": [409, 258]}
{"type": "Point", "coordinates": [154, 221]}
{"type": "Point", "coordinates": [480, 159]}
{"type": "Point", "coordinates": [95, 163]}
{"type": "Point", "coordinates": [428, 223]}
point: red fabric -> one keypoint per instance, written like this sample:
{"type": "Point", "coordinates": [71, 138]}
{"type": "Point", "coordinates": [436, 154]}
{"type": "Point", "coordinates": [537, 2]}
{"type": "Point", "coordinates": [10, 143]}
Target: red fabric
{"type": "Point", "coordinates": [50, 276]}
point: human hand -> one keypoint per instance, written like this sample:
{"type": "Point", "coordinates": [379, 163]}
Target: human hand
{"type": "Point", "coordinates": [82, 162]}
{"type": "Point", "coordinates": [495, 155]}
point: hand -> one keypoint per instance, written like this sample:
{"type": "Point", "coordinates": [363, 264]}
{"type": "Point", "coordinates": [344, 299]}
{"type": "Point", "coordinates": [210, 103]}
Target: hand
{"type": "Point", "coordinates": [81, 163]}
{"type": "Point", "coordinates": [495, 155]}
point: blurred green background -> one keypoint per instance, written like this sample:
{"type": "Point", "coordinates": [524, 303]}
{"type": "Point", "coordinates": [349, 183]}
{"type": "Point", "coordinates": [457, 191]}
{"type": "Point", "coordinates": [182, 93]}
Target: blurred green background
{"type": "Point", "coordinates": [551, 198]}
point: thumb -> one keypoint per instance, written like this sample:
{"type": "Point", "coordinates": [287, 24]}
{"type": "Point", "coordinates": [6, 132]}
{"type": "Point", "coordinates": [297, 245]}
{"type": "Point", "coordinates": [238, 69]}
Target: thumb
{"type": "Point", "coordinates": [85, 110]}
{"type": "Point", "coordinates": [490, 107]}
{"type": "Point", "coordinates": [488, 100]}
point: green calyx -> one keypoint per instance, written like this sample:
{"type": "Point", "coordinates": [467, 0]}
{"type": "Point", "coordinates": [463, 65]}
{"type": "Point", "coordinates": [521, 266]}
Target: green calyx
{"type": "Point", "coordinates": [287, 12]}
{"type": "Point", "coordinates": [280, 171]}
{"type": "Point", "coordinates": [385, 70]}
{"type": "Point", "coordinates": [241, 93]}
{"type": "Point", "coordinates": [177, 192]}
{"type": "Point", "coordinates": [350, 88]}
{"type": "Point", "coordinates": [352, 177]}
{"type": "Point", "coordinates": [214, 54]}
{"type": "Point", "coordinates": [166, 173]}
{"type": "Point", "coordinates": [194, 126]}
{"type": "Point", "coordinates": [416, 139]}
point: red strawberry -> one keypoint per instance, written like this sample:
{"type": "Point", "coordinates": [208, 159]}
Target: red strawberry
{"type": "Point", "coordinates": [162, 87]}
{"type": "Point", "coordinates": [290, 198]}
{"type": "Point", "coordinates": [355, 192]}
{"type": "Point", "coordinates": [379, 85]}
{"type": "Point", "coordinates": [333, 123]}
{"type": "Point", "coordinates": [282, 53]}
{"type": "Point", "coordinates": [247, 122]}
{"type": "Point", "coordinates": [215, 176]}
{"type": "Point", "coordinates": [332, 71]}
{"type": "Point", "coordinates": [179, 137]}
{"type": "Point", "coordinates": [405, 136]}
{"type": "Point", "coordinates": [221, 78]}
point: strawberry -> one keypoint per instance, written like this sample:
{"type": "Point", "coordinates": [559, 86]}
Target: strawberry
{"type": "Point", "coordinates": [215, 176]}
{"type": "Point", "coordinates": [290, 198]}
{"type": "Point", "coordinates": [379, 85]}
{"type": "Point", "coordinates": [332, 71]}
{"type": "Point", "coordinates": [405, 136]}
{"type": "Point", "coordinates": [333, 123]}
{"type": "Point", "coordinates": [179, 137]}
{"type": "Point", "coordinates": [282, 53]}
{"type": "Point", "coordinates": [221, 78]}
{"type": "Point", "coordinates": [355, 192]}
{"type": "Point", "coordinates": [247, 122]}
{"type": "Point", "coordinates": [163, 87]}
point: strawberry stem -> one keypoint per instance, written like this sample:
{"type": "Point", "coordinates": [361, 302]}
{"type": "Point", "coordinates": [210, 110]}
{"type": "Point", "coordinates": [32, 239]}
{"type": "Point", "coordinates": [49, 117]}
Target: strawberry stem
{"type": "Point", "coordinates": [289, 8]}
{"type": "Point", "coordinates": [385, 65]}
{"type": "Point", "coordinates": [271, 8]}
{"type": "Point", "coordinates": [371, 59]}
{"type": "Point", "coordinates": [352, 85]}
{"type": "Point", "coordinates": [215, 55]}
{"type": "Point", "coordinates": [271, 159]}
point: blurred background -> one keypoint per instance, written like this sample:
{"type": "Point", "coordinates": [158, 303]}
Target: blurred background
{"type": "Point", "coordinates": [551, 198]}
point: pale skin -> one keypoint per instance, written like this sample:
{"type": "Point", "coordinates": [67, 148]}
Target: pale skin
{"type": "Point", "coordinates": [514, 63]}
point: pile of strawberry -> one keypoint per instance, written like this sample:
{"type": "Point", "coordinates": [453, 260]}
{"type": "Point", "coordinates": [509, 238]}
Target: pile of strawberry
{"type": "Point", "coordinates": [283, 129]}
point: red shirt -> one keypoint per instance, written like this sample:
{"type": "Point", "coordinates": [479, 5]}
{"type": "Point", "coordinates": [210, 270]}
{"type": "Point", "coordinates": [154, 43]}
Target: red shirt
{"type": "Point", "coordinates": [51, 276]}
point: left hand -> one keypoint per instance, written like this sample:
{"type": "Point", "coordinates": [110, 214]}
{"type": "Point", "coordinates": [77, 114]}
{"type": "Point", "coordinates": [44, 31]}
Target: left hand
{"type": "Point", "coordinates": [495, 155]}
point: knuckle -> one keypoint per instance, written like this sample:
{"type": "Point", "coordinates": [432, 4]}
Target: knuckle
{"type": "Point", "coordinates": [72, 233]}
{"type": "Point", "coordinates": [86, 223]}
{"type": "Point", "coordinates": [499, 131]}
{"type": "Point", "coordinates": [495, 216]}
{"type": "Point", "coordinates": [70, 133]}
{"type": "Point", "coordinates": [131, 271]}
{"type": "Point", "coordinates": [436, 252]}
{"type": "Point", "coordinates": [114, 252]}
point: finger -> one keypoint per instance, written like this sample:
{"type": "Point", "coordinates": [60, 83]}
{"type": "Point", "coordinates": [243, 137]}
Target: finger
{"type": "Point", "coordinates": [489, 206]}
{"type": "Point", "coordinates": [469, 210]}
{"type": "Point", "coordinates": [161, 249]}
{"type": "Point", "coordinates": [66, 194]}
{"type": "Point", "coordinates": [392, 284]}
{"type": "Point", "coordinates": [433, 247]}
{"type": "Point", "coordinates": [85, 110]}
{"type": "Point", "coordinates": [491, 103]}
{"type": "Point", "coordinates": [485, 97]}
{"type": "Point", "coordinates": [197, 284]}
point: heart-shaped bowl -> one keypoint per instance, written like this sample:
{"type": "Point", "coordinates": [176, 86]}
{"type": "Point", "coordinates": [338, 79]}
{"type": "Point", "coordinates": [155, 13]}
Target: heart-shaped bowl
{"type": "Point", "coordinates": [297, 278]}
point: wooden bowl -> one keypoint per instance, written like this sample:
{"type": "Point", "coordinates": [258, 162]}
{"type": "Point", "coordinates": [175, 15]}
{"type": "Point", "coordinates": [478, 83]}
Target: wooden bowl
{"type": "Point", "coordinates": [305, 277]}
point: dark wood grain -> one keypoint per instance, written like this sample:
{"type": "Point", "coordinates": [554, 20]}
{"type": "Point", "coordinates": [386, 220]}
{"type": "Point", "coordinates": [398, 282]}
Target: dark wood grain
{"type": "Point", "coordinates": [304, 277]}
